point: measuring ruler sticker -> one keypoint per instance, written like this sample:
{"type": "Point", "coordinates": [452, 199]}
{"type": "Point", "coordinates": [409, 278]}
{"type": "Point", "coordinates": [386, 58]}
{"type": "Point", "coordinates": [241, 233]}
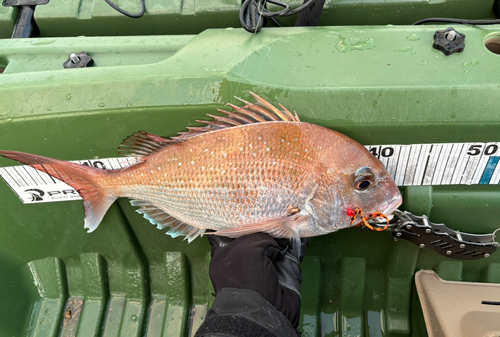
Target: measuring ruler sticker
{"type": "Point", "coordinates": [419, 163]}
{"type": "Point", "coordinates": [432, 162]}
{"type": "Point", "coordinates": [492, 171]}
{"type": "Point", "coordinates": [409, 165]}
{"type": "Point", "coordinates": [391, 163]}
{"type": "Point", "coordinates": [402, 165]}
{"type": "Point", "coordinates": [451, 164]}
{"type": "Point", "coordinates": [33, 186]}
{"type": "Point", "coordinates": [487, 160]}
{"type": "Point", "coordinates": [441, 164]}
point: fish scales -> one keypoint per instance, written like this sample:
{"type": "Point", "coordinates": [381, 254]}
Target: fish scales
{"type": "Point", "coordinates": [227, 178]}
{"type": "Point", "coordinates": [257, 169]}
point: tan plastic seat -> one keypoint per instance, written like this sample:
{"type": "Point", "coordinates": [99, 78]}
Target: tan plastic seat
{"type": "Point", "coordinates": [458, 309]}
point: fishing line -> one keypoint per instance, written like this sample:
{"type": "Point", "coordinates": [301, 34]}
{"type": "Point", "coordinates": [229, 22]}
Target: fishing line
{"type": "Point", "coordinates": [258, 8]}
{"type": "Point", "coordinates": [459, 21]}
{"type": "Point", "coordinates": [130, 15]}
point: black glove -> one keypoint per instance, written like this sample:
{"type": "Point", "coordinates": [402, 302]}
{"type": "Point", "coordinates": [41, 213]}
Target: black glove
{"type": "Point", "coordinates": [260, 263]}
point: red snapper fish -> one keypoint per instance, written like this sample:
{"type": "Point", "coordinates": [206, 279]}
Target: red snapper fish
{"type": "Point", "coordinates": [255, 169]}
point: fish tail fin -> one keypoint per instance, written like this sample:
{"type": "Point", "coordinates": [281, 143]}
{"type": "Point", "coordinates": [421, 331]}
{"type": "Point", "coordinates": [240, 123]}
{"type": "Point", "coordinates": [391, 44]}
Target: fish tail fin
{"type": "Point", "coordinates": [84, 179]}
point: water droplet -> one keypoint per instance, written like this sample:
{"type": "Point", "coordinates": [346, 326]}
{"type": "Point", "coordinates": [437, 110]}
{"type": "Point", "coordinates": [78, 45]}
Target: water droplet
{"type": "Point", "coordinates": [413, 37]}
{"type": "Point", "coordinates": [346, 44]}
{"type": "Point", "coordinates": [49, 77]}
{"type": "Point", "coordinates": [102, 105]}
{"type": "Point", "coordinates": [39, 42]}
{"type": "Point", "coordinates": [403, 49]}
{"type": "Point", "coordinates": [471, 63]}
{"type": "Point", "coordinates": [424, 62]}
{"type": "Point", "coordinates": [133, 318]}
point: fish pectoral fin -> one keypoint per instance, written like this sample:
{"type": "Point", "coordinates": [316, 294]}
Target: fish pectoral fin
{"type": "Point", "coordinates": [162, 220]}
{"type": "Point", "coordinates": [285, 227]}
{"type": "Point", "coordinates": [141, 144]}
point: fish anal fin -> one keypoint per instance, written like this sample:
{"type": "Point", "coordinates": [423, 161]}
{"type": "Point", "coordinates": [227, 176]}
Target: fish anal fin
{"type": "Point", "coordinates": [162, 220]}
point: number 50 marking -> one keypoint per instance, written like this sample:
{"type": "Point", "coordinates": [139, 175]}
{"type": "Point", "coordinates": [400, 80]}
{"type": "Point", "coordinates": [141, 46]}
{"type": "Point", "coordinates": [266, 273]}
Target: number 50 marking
{"type": "Point", "coordinates": [475, 150]}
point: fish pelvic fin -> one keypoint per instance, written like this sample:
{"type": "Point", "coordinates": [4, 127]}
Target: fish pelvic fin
{"type": "Point", "coordinates": [286, 227]}
{"type": "Point", "coordinates": [162, 219]}
{"type": "Point", "coordinates": [84, 179]}
{"type": "Point", "coordinates": [143, 143]}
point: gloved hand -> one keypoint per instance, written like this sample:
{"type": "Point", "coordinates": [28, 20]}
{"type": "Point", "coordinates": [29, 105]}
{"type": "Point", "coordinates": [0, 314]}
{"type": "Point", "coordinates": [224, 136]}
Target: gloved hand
{"type": "Point", "coordinates": [260, 263]}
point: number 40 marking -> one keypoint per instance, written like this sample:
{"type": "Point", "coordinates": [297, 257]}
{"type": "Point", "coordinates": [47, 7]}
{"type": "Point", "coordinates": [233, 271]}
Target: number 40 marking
{"type": "Point", "coordinates": [385, 151]}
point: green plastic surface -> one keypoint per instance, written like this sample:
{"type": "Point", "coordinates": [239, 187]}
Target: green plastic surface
{"type": "Point", "coordinates": [97, 18]}
{"type": "Point", "coordinates": [378, 85]}
{"type": "Point", "coordinates": [8, 17]}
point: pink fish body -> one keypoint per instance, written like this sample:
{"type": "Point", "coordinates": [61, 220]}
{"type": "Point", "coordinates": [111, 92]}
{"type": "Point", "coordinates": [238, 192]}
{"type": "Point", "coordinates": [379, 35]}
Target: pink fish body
{"type": "Point", "coordinates": [258, 169]}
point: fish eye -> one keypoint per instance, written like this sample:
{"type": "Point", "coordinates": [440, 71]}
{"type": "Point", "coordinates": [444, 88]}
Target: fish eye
{"type": "Point", "coordinates": [364, 179]}
{"type": "Point", "coordinates": [363, 185]}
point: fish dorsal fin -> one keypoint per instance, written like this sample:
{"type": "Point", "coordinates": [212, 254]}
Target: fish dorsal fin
{"type": "Point", "coordinates": [260, 112]}
{"type": "Point", "coordinates": [162, 220]}
{"type": "Point", "coordinates": [143, 143]}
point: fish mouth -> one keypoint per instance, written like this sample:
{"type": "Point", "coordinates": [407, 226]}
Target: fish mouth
{"type": "Point", "coordinates": [393, 205]}
{"type": "Point", "coordinates": [388, 212]}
